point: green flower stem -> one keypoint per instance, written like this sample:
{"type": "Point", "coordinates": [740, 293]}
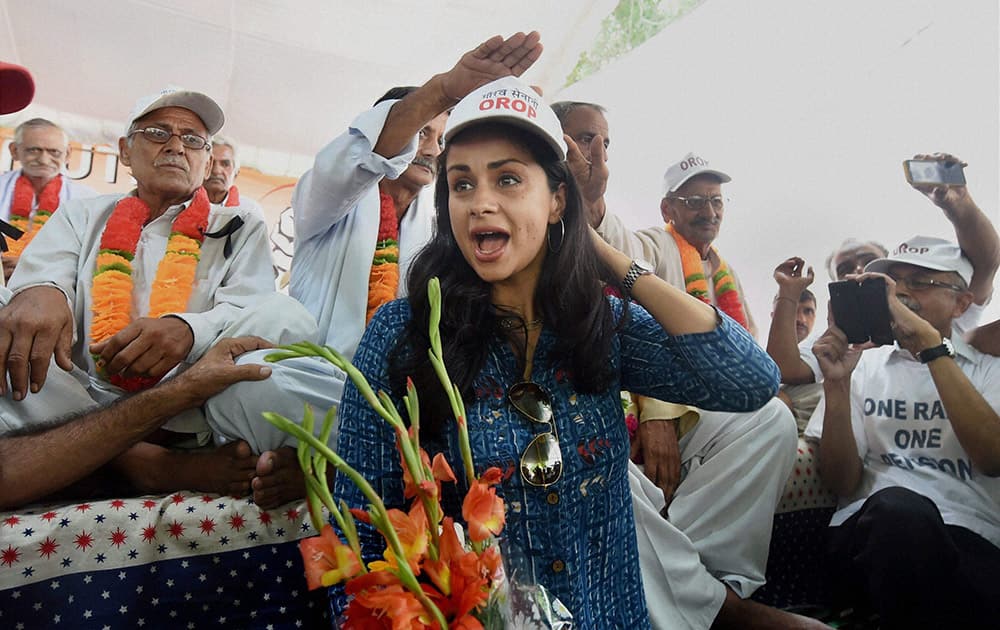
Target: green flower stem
{"type": "Point", "coordinates": [381, 403]}
{"type": "Point", "coordinates": [314, 499]}
{"type": "Point", "coordinates": [377, 509]}
{"type": "Point", "coordinates": [454, 396]}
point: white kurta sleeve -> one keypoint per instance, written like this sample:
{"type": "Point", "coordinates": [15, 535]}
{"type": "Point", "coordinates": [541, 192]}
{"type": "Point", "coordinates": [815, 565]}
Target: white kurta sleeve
{"type": "Point", "coordinates": [343, 171]}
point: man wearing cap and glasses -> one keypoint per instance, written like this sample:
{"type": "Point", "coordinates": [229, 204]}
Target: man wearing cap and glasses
{"type": "Point", "coordinates": [909, 439]}
{"type": "Point", "coordinates": [146, 283]}
{"type": "Point", "coordinates": [975, 234]}
{"type": "Point", "coordinates": [681, 253]}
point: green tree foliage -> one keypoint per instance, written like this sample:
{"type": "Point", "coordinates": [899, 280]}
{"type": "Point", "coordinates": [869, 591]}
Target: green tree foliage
{"type": "Point", "coordinates": [629, 25]}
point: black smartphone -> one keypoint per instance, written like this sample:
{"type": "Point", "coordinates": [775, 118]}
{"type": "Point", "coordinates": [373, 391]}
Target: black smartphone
{"type": "Point", "coordinates": [875, 307]}
{"type": "Point", "coordinates": [934, 172]}
{"type": "Point", "coordinates": [861, 310]}
{"type": "Point", "coordinates": [845, 304]}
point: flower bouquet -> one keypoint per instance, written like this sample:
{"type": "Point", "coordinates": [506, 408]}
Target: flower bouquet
{"type": "Point", "coordinates": [435, 573]}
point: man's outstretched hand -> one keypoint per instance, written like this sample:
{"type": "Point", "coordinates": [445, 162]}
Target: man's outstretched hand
{"type": "Point", "coordinates": [495, 58]}
{"type": "Point", "coordinates": [217, 369]}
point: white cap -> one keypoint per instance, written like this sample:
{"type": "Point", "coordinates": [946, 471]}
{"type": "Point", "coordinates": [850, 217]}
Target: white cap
{"type": "Point", "coordinates": [202, 106]}
{"type": "Point", "coordinates": [508, 100]}
{"type": "Point", "coordinates": [687, 168]}
{"type": "Point", "coordinates": [927, 252]}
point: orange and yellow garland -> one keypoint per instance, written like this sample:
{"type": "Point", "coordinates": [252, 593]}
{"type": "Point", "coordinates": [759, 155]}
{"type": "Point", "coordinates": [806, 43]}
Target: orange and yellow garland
{"type": "Point", "coordinates": [112, 286]}
{"type": "Point", "coordinates": [384, 278]}
{"type": "Point", "coordinates": [726, 295]}
{"type": "Point", "coordinates": [233, 197]}
{"type": "Point", "coordinates": [20, 210]}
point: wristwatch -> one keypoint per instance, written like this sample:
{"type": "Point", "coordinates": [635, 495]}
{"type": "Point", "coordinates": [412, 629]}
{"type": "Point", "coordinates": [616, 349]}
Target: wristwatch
{"type": "Point", "coordinates": [636, 269]}
{"type": "Point", "coordinates": [944, 350]}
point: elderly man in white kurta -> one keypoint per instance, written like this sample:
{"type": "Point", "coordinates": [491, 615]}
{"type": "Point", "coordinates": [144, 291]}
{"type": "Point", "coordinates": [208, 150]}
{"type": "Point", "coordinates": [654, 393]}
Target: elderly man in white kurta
{"type": "Point", "coordinates": [39, 186]}
{"type": "Point", "coordinates": [120, 290]}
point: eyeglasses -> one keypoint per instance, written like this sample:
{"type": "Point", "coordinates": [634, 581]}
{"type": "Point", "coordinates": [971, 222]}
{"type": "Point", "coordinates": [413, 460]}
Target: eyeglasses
{"type": "Point", "coordinates": [924, 284]}
{"type": "Point", "coordinates": [541, 463]}
{"type": "Point", "coordinates": [162, 136]}
{"type": "Point", "coordinates": [697, 202]}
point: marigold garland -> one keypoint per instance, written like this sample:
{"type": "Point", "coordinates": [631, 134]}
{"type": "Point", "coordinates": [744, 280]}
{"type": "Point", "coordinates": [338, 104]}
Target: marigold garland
{"type": "Point", "coordinates": [20, 210]}
{"type": "Point", "coordinates": [383, 281]}
{"type": "Point", "coordinates": [233, 197]}
{"type": "Point", "coordinates": [726, 295]}
{"type": "Point", "coordinates": [112, 285]}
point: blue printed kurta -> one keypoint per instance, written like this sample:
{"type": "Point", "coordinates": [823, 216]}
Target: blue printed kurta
{"type": "Point", "coordinates": [576, 537]}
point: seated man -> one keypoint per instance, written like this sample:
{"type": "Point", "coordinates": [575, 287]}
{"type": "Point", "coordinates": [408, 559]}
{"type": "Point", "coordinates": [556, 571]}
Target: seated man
{"type": "Point", "coordinates": [30, 194]}
{"type": "Point", "coordinates": [909, 440]}
{"type": "Point", "coordinates": [89, 440]}
{"type": "Point", "coordinates": [146, 283]}
{"type": "Point", "coordinates": [221, 181]}
{"type": "Point", "coordinates": [976, 236]}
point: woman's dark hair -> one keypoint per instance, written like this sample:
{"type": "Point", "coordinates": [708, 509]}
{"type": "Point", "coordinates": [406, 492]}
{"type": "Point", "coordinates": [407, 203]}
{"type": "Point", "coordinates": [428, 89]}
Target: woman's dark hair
{"type": "Point", "coordinates": [570, 295]}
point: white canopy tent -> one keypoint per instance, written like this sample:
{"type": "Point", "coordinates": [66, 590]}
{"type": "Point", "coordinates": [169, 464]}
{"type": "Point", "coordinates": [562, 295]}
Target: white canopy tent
{"type": "Point", "coordinates": [810, 106]}
{"type": "Point", "coordinates": [290, 74]}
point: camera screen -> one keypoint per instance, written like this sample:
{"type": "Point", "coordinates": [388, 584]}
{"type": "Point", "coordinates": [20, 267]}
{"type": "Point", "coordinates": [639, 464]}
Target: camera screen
{"type": "Point", "coordinates": [934, 172]}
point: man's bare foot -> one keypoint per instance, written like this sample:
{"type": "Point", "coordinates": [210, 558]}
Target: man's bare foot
{"type": "Point", "coordinates": [278, 479]}
{"type": "Point", "coordinates": [227, 469]}
{"type": "Point", "coordinates": [750, 615]}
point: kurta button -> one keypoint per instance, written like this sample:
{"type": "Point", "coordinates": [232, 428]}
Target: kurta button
{"type": "Point", "coordinates": [552, 498]}
{"type": "Point", "coordinates": [558, 566]}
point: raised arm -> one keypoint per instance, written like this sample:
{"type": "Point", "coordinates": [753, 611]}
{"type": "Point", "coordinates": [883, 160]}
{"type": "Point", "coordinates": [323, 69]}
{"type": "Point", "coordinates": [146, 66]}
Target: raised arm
{"type": "Point", "coordinates": [782, 341]}
{"type": "Point", "coordinates": [840, 464]}
{"type": "Point", "coordinates": [974, 231]}
{"type": "Point", "coordinates": [986, 338]}
{"type": "Point", "coordinates": [676, 311]}
{"type": "Point", "coordinates": [496, 57]}
{"type": "Point", "coordinates": [686, 351]}
{"type": "Point", "coordinates": [380, 143]}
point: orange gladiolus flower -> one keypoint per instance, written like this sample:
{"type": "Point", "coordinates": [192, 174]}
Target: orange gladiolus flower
{"type": "Point", "coordinates": [482, 509]}
{"type": "Point", "coordinates": [459, 576]}
{"type": "Point", "coordinates": [412, 532]}
{"type": "Point", "coordinates": [328, 561]}
{"type": "Point", "coordinates": [440, 471]}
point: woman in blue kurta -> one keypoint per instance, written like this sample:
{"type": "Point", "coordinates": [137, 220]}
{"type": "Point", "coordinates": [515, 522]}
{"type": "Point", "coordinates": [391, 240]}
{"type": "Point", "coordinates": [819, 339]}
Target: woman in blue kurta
{"type": "Point", "coordinates": [522, 279]}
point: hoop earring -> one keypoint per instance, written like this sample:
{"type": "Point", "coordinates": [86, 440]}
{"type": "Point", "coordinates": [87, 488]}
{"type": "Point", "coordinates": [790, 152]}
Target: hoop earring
{"type": "Point", "coordinates": [562, 236]}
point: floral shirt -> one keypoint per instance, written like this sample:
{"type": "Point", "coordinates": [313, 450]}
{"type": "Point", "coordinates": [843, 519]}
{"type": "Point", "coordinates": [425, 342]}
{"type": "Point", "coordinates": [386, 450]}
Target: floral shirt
{"type": "Point", "coordinates": [577, 536]}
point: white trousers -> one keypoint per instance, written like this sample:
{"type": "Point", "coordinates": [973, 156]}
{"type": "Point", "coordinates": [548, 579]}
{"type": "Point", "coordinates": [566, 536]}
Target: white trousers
{"type": "Point", "coordinates": [718, 530]}
{"type": "Point", "coordinates": [235, 414]}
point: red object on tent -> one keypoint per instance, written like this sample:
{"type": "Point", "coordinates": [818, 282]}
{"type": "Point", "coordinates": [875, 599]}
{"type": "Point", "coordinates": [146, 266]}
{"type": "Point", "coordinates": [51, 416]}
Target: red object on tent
{"type": "Point", "coordinates": [17, 88]}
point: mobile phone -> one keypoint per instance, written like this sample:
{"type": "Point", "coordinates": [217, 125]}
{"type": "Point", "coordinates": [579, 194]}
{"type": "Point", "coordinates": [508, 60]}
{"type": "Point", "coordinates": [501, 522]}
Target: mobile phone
{"type": "Point", "coordinates": [934, 172]}
{"type": "Point", "coordinates": [875, 306]}
{"type": "Point", "coordinates": [861, 310]}
{"type": "Point", "coordinates": [845, 304]}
